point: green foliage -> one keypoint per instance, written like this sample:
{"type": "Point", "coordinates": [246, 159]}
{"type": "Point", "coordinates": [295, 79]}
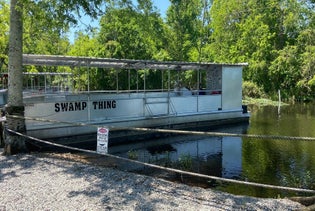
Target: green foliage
{"type": "Point", "coordinates": [262, 102]}
{"type": "Point", "coordinates": [311, 83]}
{"type": "Point", "coordinates": [276, 38]}
{"type": "Point", "coordinates": [225, 20]}
{"type": "Point", "coordinates": [185, 162]}
{"type": "Point", "coordinates": [43, 33]}
{"type": "Point", "coordinates": [254, 45]}
{"type": "Point", "coordinates": [189, 29]}
{"type": "Point", "coordinates": [4, 35]}
{"type": "Point", "coordinates": [132, 154]}
{"type": "Point", "coordinates": [299, 179]}
{"type": "Point", "coordinates": [250, 89]}
{"type": "Point", "coordinates": [303, 90]}
{"type": "Point", "coordinates": [130, 34]}
{"type": "Point", "coordinates": [284, 72]}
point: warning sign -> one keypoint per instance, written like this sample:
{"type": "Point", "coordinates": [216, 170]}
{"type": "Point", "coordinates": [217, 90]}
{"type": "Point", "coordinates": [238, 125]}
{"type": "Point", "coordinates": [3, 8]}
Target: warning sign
{"type": "Point", "coordinates": [102, 140]}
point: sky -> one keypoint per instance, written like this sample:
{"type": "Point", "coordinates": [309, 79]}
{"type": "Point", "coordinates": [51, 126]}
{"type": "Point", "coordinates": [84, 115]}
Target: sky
{"type": "Point", "coordinates": [161, 5]}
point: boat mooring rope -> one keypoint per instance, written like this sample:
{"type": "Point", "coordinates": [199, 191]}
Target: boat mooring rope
{"type": "Point", "coordinates": [168, 169]}
{"type": "Point", "coordinates": [187, 132]}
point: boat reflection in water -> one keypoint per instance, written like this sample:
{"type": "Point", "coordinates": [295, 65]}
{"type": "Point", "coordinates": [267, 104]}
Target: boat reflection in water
{"type": "Point", "coordinates": [216, 156]}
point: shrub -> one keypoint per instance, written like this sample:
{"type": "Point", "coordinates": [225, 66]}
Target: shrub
{"type": "Point", "coordinates": [250, 89]}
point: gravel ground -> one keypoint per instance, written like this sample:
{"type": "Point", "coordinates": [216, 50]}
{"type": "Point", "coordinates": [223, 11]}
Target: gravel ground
{"type": "Point", "coordinates": [46, 182]}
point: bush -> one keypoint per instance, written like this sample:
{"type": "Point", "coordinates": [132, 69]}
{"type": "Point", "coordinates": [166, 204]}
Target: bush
{"type": "Point", "coordinates": [250, 89]}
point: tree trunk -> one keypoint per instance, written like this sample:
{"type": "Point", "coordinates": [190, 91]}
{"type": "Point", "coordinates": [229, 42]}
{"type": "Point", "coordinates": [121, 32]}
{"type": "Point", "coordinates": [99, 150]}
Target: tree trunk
{"type": "Point", "coordinates": [13, 143]}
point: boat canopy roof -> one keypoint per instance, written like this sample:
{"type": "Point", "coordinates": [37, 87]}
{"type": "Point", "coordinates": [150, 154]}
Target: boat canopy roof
{"type": "Point", "coordinates": [41, 73]}
{"type": "Point", "coordinates": [71, 61]}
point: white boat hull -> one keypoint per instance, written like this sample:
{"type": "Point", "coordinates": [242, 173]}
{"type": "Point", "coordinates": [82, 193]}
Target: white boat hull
{"type": "Point", "coordinates": [145, 110]}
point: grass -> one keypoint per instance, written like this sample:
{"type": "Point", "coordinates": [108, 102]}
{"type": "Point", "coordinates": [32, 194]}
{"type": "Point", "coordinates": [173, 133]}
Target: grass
{"type": "Point", "coordinates": [261, 102]}
{"type": "Point", "coordinates": [132, 154]}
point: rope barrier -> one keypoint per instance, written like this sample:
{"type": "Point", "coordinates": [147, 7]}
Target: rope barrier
{"type": "Point", "coordinates": [169, 169]}
{"type": "Point", "coordinates": [187, 132]}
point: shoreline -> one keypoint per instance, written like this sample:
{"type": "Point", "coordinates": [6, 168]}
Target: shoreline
{"type": "Point", "coordinates": [44, 181]}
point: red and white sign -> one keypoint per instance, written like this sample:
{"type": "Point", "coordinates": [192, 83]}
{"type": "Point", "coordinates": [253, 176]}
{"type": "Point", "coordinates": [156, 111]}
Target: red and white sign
{"type": "Point", "coordinates": [102, 140]}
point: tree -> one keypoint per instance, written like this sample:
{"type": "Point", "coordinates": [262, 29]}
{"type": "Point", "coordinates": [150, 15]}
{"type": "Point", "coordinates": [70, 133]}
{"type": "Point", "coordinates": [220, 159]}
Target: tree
{"type": "Point", "coordinates": [13, 143]}
{"type": "Point", "coordinates": [204, 32]}
{"type": "Point", "coordinates": [306, 46]}
{"type": "Point", "coordinates": [188, 30]}
{"type": "Point", "coordinates": [121, 35]}
{"type": "Point", "coordinates": [56, 9]}
{"type": "Point", "coordinates": [265, 34]}
{"type": "Point", "coordinates": [183, 22]}
{"type": "Point", "coordinates": [129, 32]}
{"type": "Point", "coordinates": [84, 45]}
{"type": "Point", "coordinates": [225, 19]}
{"type": "Point", "coordinates": [283, 72]}
{"type": "Point", "coordinates": [254, 45]}
{"type": "Point", "coordinates": [41, 34]}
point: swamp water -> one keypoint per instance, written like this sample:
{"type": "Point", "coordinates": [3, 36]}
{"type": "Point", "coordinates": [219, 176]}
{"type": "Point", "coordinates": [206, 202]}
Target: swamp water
{"type": "Point", "coordinates": [276, 162]}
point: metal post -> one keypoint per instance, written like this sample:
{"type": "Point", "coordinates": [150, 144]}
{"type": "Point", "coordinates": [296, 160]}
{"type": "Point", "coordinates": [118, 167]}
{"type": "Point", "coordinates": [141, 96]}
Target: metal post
{"type": "Point", "coordinates": [137, 81]}
{"type": "Point", "coordinates": [144, 84]}
{"type": "Point", "coordinates": [87, 65]}
{"type": "Point", "coordinates": [45, 83]}
{"type": "Point", "coordinates": [117, 88]}
{"type": "Point", "coordinates": [168, 91]}
{"type": "Point", "coordinates": [162, 80]}
{"type": "Point", "coordinates": [89, 97]}
{"type": "Point", "coordinates": [128, 80]}
{"type": "Point", "coordinates": [198, 88]}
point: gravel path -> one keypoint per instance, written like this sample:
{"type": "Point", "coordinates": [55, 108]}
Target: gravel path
{"type": "Point", "coordinates": [46, 182]}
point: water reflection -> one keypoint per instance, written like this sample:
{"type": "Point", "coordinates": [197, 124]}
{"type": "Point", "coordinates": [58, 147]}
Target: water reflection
{"type": "Point", "coordinates": [276, 162]}
{"type": "Point", "coordinates": [217, 156]}
{"type": "Point", "coordinates": [281, 162]}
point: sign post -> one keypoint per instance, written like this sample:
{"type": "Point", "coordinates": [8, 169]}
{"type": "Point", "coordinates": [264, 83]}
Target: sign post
{"type": "Point", "coordinates": [102, 140]}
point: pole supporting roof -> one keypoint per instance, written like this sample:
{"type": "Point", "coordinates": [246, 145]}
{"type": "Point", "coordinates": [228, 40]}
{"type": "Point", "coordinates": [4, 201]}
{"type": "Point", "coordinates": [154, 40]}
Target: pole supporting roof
{"type": "Point", "coordinates": [71, 61]}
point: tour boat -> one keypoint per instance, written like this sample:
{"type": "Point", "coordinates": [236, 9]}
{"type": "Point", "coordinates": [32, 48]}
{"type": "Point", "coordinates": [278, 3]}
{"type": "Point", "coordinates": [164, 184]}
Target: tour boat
{"type": "Point", "coordinates": [214, 98]}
